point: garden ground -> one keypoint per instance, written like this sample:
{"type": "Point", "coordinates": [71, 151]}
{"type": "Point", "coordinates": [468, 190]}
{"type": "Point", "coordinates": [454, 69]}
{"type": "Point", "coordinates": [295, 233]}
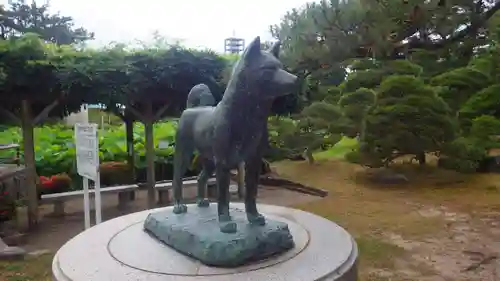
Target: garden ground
{"type": "Point", "coordinates": [439, 226]}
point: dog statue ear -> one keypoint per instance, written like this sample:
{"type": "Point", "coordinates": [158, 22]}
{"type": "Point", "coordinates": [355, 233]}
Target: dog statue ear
{"type": "Point", "coordinates": [253, 48]}
{"type": "Point", "coordinates": [275, 49]}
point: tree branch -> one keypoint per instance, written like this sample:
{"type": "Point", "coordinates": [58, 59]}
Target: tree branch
{"type": "Point", "coordinates": [160, 112]}
{"type": "Point", "coordinates": [469, 30]}
{"type": "Point", "coordinates": [11, 116]}
{"type": "Point", "coordinates": [45, 112]}
{"type": "Point", "coordinates": [136, 112]}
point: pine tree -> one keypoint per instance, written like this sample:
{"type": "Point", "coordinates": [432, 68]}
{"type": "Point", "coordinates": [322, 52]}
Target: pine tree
{"type": "Point", "coordinates": [408, 117]}
{"type": "Point", "coordinates": [355, 106]}
{"type": "Point", "coordinates": [20, 18]}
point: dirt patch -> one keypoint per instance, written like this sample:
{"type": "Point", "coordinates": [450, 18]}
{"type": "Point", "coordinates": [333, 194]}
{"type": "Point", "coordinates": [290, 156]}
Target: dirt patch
{"type": "Point", "coordinates": [438, 227]}
{"type": "Point", "coordinates": [467, 250]}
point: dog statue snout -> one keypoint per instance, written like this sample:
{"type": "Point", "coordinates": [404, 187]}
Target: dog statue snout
{"type": "Point", "coordinates": [285, 81]}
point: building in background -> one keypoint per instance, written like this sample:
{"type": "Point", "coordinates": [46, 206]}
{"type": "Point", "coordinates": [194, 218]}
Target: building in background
{"type": "Point", "coordinates": [78, 117]}
{"type": "Point", "coordinates": [93, 113]}
{"type": "Point", "coordinates": [234, 45]}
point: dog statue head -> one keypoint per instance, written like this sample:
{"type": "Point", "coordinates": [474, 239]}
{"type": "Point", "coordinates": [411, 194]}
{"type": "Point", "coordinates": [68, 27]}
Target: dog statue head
{"type": "Point", "coordinates": [261, 74]}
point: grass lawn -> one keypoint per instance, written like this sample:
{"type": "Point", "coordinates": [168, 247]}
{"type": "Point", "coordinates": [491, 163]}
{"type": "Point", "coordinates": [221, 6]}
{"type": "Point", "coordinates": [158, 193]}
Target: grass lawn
{"type": "Point", "coordinates": [32, 269]}
{"type": "Point", "coordinates": [339, 150]}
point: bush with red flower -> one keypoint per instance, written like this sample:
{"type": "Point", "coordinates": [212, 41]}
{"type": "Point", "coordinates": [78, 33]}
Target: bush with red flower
{"type": "Point", "coordinates": [54, 184]}
{"type": "Point", "coordinates": [115, 173]}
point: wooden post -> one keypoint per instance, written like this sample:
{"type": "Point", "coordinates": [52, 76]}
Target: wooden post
{"type": "Point", "coordinates": [29, 160]}
{"type": "Point", "coordinates": [150, 154]}
{"type": "Point", "coordinates": [129, 128]}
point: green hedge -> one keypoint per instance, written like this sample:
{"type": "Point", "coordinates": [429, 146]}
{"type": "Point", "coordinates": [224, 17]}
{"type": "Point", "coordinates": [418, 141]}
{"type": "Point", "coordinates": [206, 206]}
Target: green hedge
{"type": "Point", "coordinates": [55, 148]}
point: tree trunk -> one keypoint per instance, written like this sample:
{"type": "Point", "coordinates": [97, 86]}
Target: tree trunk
{"type": "Point", "coordinates": [150, 154]}
{"type": "Point", "coordinates": [266, 167]}
{"type": "Point", "coordinates": [308, 156]}
{"type": "Point", "coordinates": [29, 161]}
{"type": "Point", "coordinates": [129, 128]}
{"type": "Point", "coordinates": [421, 158]}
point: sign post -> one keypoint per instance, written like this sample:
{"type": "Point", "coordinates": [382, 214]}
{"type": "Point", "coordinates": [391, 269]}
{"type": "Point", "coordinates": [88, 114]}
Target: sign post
{"type": "Point", "coordinates": [87, 164]}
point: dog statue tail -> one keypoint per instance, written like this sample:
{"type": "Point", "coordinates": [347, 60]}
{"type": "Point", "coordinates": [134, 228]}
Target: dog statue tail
{"type": "Point", "coordinates": [200, 95]}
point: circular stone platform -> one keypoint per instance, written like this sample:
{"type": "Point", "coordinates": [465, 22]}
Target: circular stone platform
{"type": "Point", "coordinates": [120, 250]}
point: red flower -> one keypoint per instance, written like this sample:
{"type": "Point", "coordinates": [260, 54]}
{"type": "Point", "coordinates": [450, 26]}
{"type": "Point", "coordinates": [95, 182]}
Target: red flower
{"type": "Point", "coordinates": [46, 182]}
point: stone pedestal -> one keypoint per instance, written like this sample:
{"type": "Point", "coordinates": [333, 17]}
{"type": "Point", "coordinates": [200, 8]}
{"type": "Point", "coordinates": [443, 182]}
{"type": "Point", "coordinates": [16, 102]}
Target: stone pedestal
{"type": "Point", "coordinates": [121, 250]}
{"type": "Point", "coordinates": [197, 234]}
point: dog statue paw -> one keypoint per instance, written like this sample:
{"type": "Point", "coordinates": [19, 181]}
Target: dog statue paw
{"type": "Point", "coordinates": [227, 226]}
{"type": "Point", "coordinates": [256, 219]}
{"type": "Point", "coordinates": [180, 208]}
{"type": "Point", "coordinates": [203, 202]}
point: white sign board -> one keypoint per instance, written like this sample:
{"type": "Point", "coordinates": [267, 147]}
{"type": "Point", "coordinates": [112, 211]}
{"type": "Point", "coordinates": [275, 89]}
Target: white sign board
{"type": "Point", "coordinates": [87, 150]}
{"type": "Point", "coordinates": [163, 144]}
{"type": "Point", "coordinates": [87, 165]}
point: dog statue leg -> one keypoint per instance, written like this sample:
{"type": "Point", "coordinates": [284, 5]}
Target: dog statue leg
{"type": "Point", "coordinates": [206, 172]}
{"type": "Point", "coordinates": [222, 174]}
{"type": "Point", "coordinates": [241, 180]}
{"type": "Point", "coordinates": [252, 172]}
{"type": "Point", "coordinates": [182, 155]}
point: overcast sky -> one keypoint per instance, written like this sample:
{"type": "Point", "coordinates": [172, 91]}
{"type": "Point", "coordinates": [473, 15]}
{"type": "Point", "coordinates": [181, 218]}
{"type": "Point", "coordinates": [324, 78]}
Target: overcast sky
{"type": "Point", "coordinates": [199, 23]}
